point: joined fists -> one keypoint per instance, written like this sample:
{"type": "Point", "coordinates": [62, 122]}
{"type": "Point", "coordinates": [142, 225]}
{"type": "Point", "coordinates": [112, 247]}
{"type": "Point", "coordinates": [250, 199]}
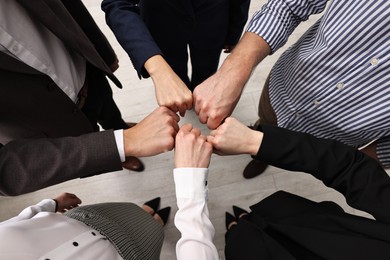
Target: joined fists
{"type": "Point", "coordinates": [191, 149]}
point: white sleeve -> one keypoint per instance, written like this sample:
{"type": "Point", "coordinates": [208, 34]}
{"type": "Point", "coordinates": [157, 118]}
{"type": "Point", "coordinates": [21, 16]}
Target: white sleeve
{"type": "Point", "coordinates": [192, 218]}
{"type": "Point", "coordinates": [119, 143]}
{"type": "Point", "coordinates": [46, 205]}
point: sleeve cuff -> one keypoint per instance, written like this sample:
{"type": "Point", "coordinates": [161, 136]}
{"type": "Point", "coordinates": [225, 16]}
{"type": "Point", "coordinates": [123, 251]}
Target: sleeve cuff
{"type": "Point", "coordinates": [119, 144]}
{"type": "Point", "coordinates": [48, 205]}
{"type": "Point", "coordinates": [191, 183]}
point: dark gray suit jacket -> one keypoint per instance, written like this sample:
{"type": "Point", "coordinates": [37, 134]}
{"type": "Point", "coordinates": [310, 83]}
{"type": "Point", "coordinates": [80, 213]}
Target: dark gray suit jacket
{"type": "Point", "coordinates": [38, 117]}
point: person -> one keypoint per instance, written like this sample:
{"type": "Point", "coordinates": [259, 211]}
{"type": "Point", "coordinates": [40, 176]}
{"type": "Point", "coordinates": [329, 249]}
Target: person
{"type": "Point", "coordinates": [49, 126]}
{"type": "Point", "coordinates": [283, 225]}
{"type": "Point", "coordinates": [27, 165]}
{"type": "Point", "coordinates": [192, 159]}
{"type": "Point", "coordinates": [116, 230]}
{"type": "Point", "coordinates": [131, 32]}
{"type": "Point", "coordinates": [66, 60]}
{"type": "Point", "coordinates": [287, 226]}
{"type": "Point", "coordinates": [199, 29]}
{"type": "Point", "coordinates": [332, 83]}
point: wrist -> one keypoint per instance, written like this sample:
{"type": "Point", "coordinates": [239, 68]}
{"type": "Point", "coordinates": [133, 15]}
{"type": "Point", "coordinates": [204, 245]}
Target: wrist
{"type": "Point", "coordinates": [155, 65]}
{"type": "Point", "coordinates": [255, 142]}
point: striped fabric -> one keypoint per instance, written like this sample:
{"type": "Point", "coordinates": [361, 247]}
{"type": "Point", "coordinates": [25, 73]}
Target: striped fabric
{"type": "Point", "coordinates": [133, 232]}
{"type": "Point", "coordinates": [335, 81]}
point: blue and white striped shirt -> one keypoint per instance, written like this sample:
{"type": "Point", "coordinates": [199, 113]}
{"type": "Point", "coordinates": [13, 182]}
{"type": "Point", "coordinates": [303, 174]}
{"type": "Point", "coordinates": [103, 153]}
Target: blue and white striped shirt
{"type": "Point", "coordinates": [335, 81]}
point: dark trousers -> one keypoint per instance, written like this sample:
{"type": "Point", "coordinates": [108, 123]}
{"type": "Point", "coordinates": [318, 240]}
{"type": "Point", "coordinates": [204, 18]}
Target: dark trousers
{"type": "Point", "coordinates": [100, 106]}
{"type": "Point", "coordinates": [197, 27]}
{"type": "Point", "coordinates": [266, 113]}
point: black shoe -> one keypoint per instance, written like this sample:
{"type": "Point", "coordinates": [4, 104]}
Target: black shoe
{"type": "Point", "coordinates": [238, 212]}
{"type": "Point", "coordinates": [254, 168]}
{"type": "Point", "coordinates": [154, 203]}
{"type": "Point", "coordinates": [132, 163]}
{"type": "Point", "coordinates": [229, 218]}
{"type": "Point", "coordinates": [164, 214]}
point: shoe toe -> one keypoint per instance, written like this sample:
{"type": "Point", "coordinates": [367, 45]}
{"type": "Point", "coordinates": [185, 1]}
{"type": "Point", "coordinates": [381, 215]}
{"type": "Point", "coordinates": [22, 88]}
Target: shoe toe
{"type": "Point", "coordinates": [133, 164]}
{"type": "Point", "coordinates": [254, 168]}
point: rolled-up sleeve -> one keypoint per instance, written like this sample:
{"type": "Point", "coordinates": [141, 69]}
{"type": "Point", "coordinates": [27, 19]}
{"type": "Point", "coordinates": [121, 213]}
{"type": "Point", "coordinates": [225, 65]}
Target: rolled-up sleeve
{"type": "Point", "coordinates": [276, 20]}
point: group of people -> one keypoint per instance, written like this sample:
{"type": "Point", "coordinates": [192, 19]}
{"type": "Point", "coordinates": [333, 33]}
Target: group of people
{"type": "Point", "coordinates": [324, 110]}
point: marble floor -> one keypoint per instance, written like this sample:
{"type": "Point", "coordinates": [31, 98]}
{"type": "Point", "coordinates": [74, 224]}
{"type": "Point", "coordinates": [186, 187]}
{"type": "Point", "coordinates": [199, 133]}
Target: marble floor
{"type": "Point", "coordinates": [227, 186]}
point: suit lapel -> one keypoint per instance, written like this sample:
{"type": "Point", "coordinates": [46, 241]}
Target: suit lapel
{"type": "Point", "coordinates": [54, 15]}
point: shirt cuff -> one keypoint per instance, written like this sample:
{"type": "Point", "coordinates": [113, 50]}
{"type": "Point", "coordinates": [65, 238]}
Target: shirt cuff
{"type": "Point", "coordinates": [191, 183]}
{"type": "Point", "coordinates": [48, 205]}
{"type": "Point", "coordinates": [119, 144]}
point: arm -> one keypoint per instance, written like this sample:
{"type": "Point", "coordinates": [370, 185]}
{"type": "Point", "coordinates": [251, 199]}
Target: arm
{"type": "Point", "coordinates": [277, 20]}
{"type": "Point", "coordinates": [122, 16]}
{"type": "Point", "coordinates": [363, 182]}
{"type": "Point", "coordinates": [29, 165]}
{"type": "Point", "coordinates": [216, 98]}
{"type": "Point", "coordinates": [61, 203]}
{"type": "Point", "coordinates": [131, 32]}
{"type": "Point", "coordinates": [192, 157]}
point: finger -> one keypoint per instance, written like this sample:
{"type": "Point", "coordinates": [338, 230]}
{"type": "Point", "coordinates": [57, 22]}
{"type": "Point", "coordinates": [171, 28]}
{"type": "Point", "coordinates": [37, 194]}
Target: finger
{"type": "Point", "coordinates": [213, 123]}
{"type": "Point", "coordinates": [189, 103]}
{"type": "Point", "coordinates": [196, 132]}
{"type": "Point", "coordinates": [186, 128]}
{"type": "Point", "coordinates": [202, 138]}
{"type": "Point", "coordinates": [173, 115]}
{"type": "Point", "coordinates": [210, 139]}
{"type": "Point", "coordinates": [176, 127]}
{"type": "Point", "coordinates": [196, 103]}
{"type": "Point", "coordinates": [213, 132]}
{"type": "Point", "coordinates": [203, 117]}
{"type": "Point", "coordinates": [182, 109]}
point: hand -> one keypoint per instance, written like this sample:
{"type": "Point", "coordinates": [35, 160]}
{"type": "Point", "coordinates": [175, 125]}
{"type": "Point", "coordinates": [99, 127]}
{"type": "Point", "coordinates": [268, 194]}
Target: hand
{"type": "Point", "coordinates": [153, 135]}
{"type": "Point", "coordinates": [171, 91]}
{"type": "Point", "coordinates": [115, 65]}
{"type": "Point", "coordinates": [191, 148]}
{"type": "Point", "coordinates": [232, 137]}
{"type": "Point", "coordinates": [216, 98]}
{"type": "Point", "coordinates": [67, 201]}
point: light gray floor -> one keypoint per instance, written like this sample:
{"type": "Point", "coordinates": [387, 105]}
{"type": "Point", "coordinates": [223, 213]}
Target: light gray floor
{"type": "Point", "coordinates": [227, 186]}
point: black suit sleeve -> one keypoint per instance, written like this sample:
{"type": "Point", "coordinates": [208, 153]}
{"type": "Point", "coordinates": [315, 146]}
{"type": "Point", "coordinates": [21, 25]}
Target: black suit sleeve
{"type": "Point", "coordinates": [29, 165]}
{"type": "Point", "coordinates": [363, 182]}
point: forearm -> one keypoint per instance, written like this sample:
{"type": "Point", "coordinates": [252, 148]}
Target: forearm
{"type": "Point", "coordinates": [248, 53]}
{"type": "Point", "coordinates": [192, 218]}
{"type": "Point", "coordinates": [46, 205]}
{"type": "Point", "coordinates": [122, 16]}
{"type": "Point", "coordinates": [29, 165]}
{"type": "Point", "coordinates": [363, 182]}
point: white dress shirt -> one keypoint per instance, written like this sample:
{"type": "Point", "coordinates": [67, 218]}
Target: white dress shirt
{"type": "Point", "coordinates": [192, 218]}
{"type": "Point", "coordinates": [27, 40]}
{"type": "Point", "coordinates": [39, 233]}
